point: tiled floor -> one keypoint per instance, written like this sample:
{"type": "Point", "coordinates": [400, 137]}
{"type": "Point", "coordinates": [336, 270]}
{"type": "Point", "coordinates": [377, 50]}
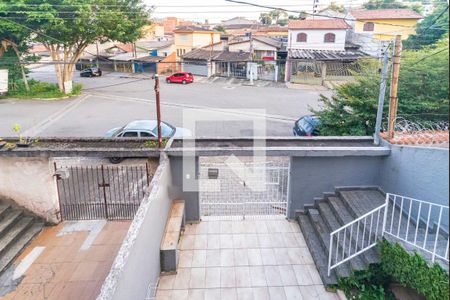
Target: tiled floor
{"type": "Point", "coordinates": [64, 270]}
{"type": "Point", "coordinates": [251, 259]}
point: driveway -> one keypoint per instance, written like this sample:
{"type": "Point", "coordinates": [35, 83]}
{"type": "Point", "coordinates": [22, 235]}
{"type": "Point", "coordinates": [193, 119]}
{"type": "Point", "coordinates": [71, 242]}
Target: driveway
{"type": "Point", "coordinates": [226, 108]}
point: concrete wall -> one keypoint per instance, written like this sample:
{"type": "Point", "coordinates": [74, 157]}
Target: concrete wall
{"type": "Point", "coordinates": [136, 269]}
{"type": "Point", "coordinates": [315, 40]}
{"type": "Point", "coordinates": [417, 172]}
{"type": "Point", "coordinates": [312, 176]}
{"type": "Point", "coordinates": [28, 181]}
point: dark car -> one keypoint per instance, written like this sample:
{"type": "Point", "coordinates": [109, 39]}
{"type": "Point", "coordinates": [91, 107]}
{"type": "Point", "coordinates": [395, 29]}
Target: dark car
{"type": "Point", "coordinates": [91, 72]}
{"type": "Point", "coordinates": [180, 77]}
{"type": "Point", "coordinates": [307, 126]}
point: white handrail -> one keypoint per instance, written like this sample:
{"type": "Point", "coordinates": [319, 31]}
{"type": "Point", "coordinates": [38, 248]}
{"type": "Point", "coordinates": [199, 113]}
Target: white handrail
{"type": "Point", "coordinates": [404, 218]}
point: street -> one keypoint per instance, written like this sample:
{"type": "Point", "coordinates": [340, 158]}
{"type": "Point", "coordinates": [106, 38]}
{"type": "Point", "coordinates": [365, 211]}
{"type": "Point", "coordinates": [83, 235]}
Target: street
{"type": "Point", "coordinates": [226, 108]}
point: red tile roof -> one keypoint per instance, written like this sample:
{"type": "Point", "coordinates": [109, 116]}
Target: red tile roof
{"type": "Point", "coordinates": [125, 47]}
{"type": "Point", "coordinates": [318, 24]}
{"type": "Point", "coordinates": [370, 14]}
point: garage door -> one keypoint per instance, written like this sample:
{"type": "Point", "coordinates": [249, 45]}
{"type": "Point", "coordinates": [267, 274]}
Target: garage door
{"type": "Point", "coordinates": [196, 68]}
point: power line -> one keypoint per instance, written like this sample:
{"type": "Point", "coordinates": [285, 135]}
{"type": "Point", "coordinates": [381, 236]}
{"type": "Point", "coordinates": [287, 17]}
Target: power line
{"type": "Point", "coordinates": [435, 20]}
{"type": "Point", "coordinates": [428, 56]}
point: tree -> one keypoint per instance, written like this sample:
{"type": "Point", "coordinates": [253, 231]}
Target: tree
{"type": "Point", "coordinates": [282, 22]}
{"type": "Point", "coordinates": [14, 37]}
{"type": "Point", "coordinates": [220, 28]}
{"type": "Point", "coordinates": [390, 4]}
{"type": "Point", "coordinates": [67, 27]}
{"type": "Point", "coordinates": [265, 18]}
{"type": "Point", "coordinates": [422, 92]}
{"type": "Point", "coordinates": [336, 7]}
{"type": "Point", "coordinates": [431, 29]}
{"type": "Point", "coordinates": [301, 16]}
{"type": "Point", "coordinates": [278, 14]}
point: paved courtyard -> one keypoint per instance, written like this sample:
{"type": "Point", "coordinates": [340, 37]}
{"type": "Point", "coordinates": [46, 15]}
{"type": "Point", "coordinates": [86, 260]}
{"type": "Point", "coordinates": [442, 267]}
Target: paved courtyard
{"type": "Point", "coordinates": [250, 259]}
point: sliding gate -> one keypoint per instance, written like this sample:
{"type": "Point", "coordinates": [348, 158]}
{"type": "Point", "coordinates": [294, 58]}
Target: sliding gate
{"type": "Point", "coordinates": [248, 190]}
{"type": "Point", "coordinates": [90, 192]}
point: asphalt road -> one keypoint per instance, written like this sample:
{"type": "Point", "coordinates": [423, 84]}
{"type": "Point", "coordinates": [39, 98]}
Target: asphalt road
{"type": "Point", "coordinates": [208, 109]}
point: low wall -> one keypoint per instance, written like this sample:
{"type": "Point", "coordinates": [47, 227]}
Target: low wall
{"type": "Point", "coordinates": [135, 271]}
{"type": "Point", "coordinates": [310, 177]}
{"type": "Point", "coordinates": [29, 182]}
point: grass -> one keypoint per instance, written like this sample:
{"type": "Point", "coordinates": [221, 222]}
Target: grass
{"type": "Point", "coordinates": [41, 90]}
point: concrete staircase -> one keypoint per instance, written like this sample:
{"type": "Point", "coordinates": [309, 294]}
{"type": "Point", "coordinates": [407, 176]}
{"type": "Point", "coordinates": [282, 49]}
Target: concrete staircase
{"type": "Point", "coordinates": [17, 229]}
{"type": "Point", "coordinates": [334, 210]}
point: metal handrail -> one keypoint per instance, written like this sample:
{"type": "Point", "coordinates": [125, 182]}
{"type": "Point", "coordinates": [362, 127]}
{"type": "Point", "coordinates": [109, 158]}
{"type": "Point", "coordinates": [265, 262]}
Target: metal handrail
{"type": "Point", "coordinates": [406, 211]}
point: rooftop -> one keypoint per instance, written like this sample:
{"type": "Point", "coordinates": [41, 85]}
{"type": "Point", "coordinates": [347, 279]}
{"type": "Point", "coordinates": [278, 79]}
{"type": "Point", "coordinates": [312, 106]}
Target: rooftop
{"type": "Point", "coordinates": [385, 14]}
{"type": "Point", "coordinates": [192, 29]}
{"type": "Point", "coordinates": [204, 54]}
{"type": "Point", "coordinates": [318, 24]}
{"type": "Point", "coordinates": [263, 39]}
{"type": "Point", "coordinates": [322, 55]}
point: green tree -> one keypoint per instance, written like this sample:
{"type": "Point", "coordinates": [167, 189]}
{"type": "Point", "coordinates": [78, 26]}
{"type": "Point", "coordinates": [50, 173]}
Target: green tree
{"type": "Point", "coordinates": [282, 22]}
{"type": "Point", "coordinates": [277, 14]}
{"type": "Point", "coordinates": [15, 38]}
{"type": "Point", "coordinates": [336, 7]}
{"type": "Point", "coordinates": [383, 4]}
{"type": "Point", "coordinates": [67, 27]}
{"type": "Point", "coordinates": [431, 29]}
{"type": "Point", "coordinates": [265, 18]}
{"type": "Point", "coordinates": [220, 28]}
{"type": "Point", "coordinates": [422, 92]}
{"type": "Point", "coordinates": [301, 16]}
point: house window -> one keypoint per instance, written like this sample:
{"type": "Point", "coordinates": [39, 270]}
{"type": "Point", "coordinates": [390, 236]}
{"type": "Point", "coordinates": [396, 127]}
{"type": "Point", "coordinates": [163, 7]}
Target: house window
{"type": "Point", "coordinates": [329, 38]}
{"type": "Point", "coordinates": [302, 37]}
{"type": "Point", "coordinates": [369, 26]}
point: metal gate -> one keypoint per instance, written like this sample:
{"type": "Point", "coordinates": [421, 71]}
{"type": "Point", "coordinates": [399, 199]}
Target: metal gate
{"type": "Point", "coordinates": [101, 191]}
{"type": "Point", "coordinates": [246, 190]}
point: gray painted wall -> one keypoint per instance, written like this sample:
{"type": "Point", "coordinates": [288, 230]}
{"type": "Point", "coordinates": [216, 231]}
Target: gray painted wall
{"type": "Point", "coordinates": [417, 172]}
{"type": "Point", "coordinates": [136, 269]}
{"type": "Point", "coordinates": [178, 191]}
{"type": "Point", "coordinates": [312, 176]}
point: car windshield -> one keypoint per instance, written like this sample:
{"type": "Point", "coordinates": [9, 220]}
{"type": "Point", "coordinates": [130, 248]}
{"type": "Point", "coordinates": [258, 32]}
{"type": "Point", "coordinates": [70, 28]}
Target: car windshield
{"type": "Point", "coordinates": [308, 124]}
{"type": "Point", "coordinates": [166, 130]}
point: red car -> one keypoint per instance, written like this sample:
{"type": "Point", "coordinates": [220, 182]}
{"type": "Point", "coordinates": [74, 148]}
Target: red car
{"type": "Point", "coordinates": [180, 77]}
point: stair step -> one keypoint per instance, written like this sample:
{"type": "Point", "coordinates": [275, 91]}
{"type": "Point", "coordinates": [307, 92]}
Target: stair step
{"type": "Point", "coordinates": [317, 251]}
{"type": "Point", "coordinates": [14, 233]}
{"type": "Point", "coordinates": [324, 236]}
{"type": "Point", "coordinates": [3, 209]}
{"type": "Point", "coordinates": [360, 202]}
{"type": "Point", "coordinates": [12, 252]}
{"type": "Point", "coordinates": [343, 215]}
{"type": "Point", "coordinates": [9, 219]}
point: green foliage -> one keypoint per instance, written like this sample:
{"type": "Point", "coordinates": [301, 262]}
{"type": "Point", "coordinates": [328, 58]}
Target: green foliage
{"type": "Point", "coordinates": [276, 16]}
{"type": "Point", "coordinates": [383, 4]}
{"type": "Point", "coordinates": [433, 28]}
{"type": "Point", "coordinates": [414, 272]}
{"type": "Point", "coordinates": [220, 28]}
{"type": "Point", "coordinates": [370, 284]}
{"type": "Point", "coordinates": [42, 90]}
{"type": "Point", "coordinates": [422, 92]}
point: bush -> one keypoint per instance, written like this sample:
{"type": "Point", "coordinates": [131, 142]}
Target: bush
{"type": "Point", "coordinates": [397, 265]}
{"type": "Point", "coordinates": [39, 89]}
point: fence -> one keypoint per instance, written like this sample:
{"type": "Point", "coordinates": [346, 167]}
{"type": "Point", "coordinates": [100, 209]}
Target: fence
{"type": "Point", "coordinates": [403, 219]}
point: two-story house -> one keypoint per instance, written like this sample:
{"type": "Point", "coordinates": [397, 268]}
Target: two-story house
{"type": "Point", "coordinates": [317, 49]}
{"type": "Point", "coordinates": [263, 47]}
{"type": "Point", "coordinates": [188, 38]}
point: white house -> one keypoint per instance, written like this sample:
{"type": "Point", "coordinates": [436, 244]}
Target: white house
{"type": "Point", "coordinates": [318, 34]}
{"type": "Point", "coordinates": [263, 47]}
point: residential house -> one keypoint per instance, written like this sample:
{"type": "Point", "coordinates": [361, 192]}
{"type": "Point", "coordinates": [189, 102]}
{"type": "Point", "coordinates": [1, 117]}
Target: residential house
{"type": "Point", "coordinates": [278, 32]}
{"type": "Point", "coordinates": [187, 38]}
{"type": "Point", "coordinates": [153, 31]}
{"type": "Point", "coordinates": [171, 23]}
{"type": "Point", "coordinates": [385, 24]}
{"type": "Point", "coordinates": [240, 26]}
{"type": "Point", "coordinates": [165, 51]}
{"type": "Point", "coordinates": [264, 48]}
{"type": "Point", "coordinates": [318, 50]}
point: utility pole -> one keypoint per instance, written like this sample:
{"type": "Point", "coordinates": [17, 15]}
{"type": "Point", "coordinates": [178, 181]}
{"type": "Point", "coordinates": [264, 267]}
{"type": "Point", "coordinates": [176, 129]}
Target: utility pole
{"type": "Point", "coordinates": [96, 44]}
{"type": "Point", "coordinates": [393, 100]}
{"type": "Point", "coordinates": [158, 110]}
{"type": "Point", "coordinates": [381, 95]}
{"type": "Point", "coordinates": [251, 56]}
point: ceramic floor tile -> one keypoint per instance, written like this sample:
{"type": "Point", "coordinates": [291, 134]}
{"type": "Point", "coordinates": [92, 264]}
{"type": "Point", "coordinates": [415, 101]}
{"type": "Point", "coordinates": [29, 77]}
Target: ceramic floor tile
{"type": "Point", "coordinates": [287, 275]}
{"type": "Point", "coordinates": [296, 256]}
{"type": "Point", "coordinates": [212, 294]}
{"type": "Point", "coordinates": [315, 277]}
{"type": "Point", "coordinates": [164, 295]}
{"type": "Point", "coordinates": [185, 260]}
{"type": "Point", "coordinates": [261, 293]}
{"type": "Point", "coordinates": [228, 294]}
{"type": "Point", "coordinates": [265, 240]}
{"type": "Point", "coordinates": [226, 257]}
{"type": "Point", "coordinates": [293, 293]}
{"type": "Point", "coordinates": [268, 257]}
{"type": "Point", "coordinates": [227, 277]}
{"type": "Point", "coordinates": [290, 240]}
{"type": "Point", "coordinates": [213, 258]}
{"type": "Point", "coordinates": [187, 242]}
{"type": "Point", "coordinates": [202, 228]}
{"type": "Point", "coordinates": [257, 275]}
{"type": "Point", "coordinates": [226, 241]}
{"type": "Point", "coordinates": [240, 257]}
{"type": "Point", "coordinates": [197, 280]}
{"type": "Point", "coordinates": [254, 257]}
{"type": "Point", "coordinates": [190, 229]}
{"type": "Point", "coordinates": [180, 294]}
{"type": "Point", "coordinates": [212, 277]}
{"type": "Point", "coordinates": [273, 276]}
{"type": "Point", "coordinates": [182, 279]}
{"type": "Point", "coordinates": [302, 275]}
{"type": "Point", "coordinates": [239, 241]}
{"type": "Point", "coordinates": [324, 294]}
{"type": "Point", "coordinates": [243, 278]}
{"type": "Point", "coordinates": [306, 256]}
{"type": "Point", "coordinates": [214, 227]}
{"type": "Point", "coordinates": [200, 242]}
{"type": "Point", "coordinates": [282, 256]}
{"type": "Point", "coordinates": [213, 241]}
{"type": "Point", "coordinates": [309, 292]}
{"type": "Point", "coordinates": [244, 294]}
{"type": "Point", "coordinates": [277, 293]}
{"type": "Point", "coordinates": [251, 240]}
{"type": "Point", "coordinates": [196, 294]}
{"type": "Point", "coordinates": [226, 227]}
{"type": "Point", "coordinates": [199, 258]}
{"type": "Point", "coordinates": [237, 227]}
{"type": "Point", "coordinates": [261, 227]}
{"type": "Point", "coordinates": [277, 240]}
{"type": "Point", "coordinates": [166, 282]}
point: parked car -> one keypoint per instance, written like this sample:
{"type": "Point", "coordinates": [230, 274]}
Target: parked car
{"type": "Point", "coordinates": [180, 77]}
{"type": "Point", "coordinates": [91, 72]}
{"type": "Point", "coordinates": [307, 126]}
{"type": "Point", "coordinates": [143, 129]}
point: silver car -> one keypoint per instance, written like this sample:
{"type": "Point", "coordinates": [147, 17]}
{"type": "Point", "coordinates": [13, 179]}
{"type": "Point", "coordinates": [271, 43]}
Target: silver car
{"type": "Point", "coordinates": [145, 129]}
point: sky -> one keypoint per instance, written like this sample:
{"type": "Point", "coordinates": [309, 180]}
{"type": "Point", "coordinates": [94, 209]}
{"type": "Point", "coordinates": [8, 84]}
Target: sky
{"type": "Point", "coordinates": [219, 10]}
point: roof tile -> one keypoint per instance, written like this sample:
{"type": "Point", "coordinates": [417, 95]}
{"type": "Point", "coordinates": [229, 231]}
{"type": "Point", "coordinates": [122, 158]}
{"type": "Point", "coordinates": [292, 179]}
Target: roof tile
{"type": "Point", "coordinates": [318, 24]}
{"type": "Point", "coordinates": [371, 14]}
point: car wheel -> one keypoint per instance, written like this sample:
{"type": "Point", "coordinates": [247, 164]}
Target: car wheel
{"type": "Point", "coordinates": [116, 160]}
{"type": "Point", "coordinates": [168, 81]}
{"type": "Point", "coordinates": [183, 82]}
